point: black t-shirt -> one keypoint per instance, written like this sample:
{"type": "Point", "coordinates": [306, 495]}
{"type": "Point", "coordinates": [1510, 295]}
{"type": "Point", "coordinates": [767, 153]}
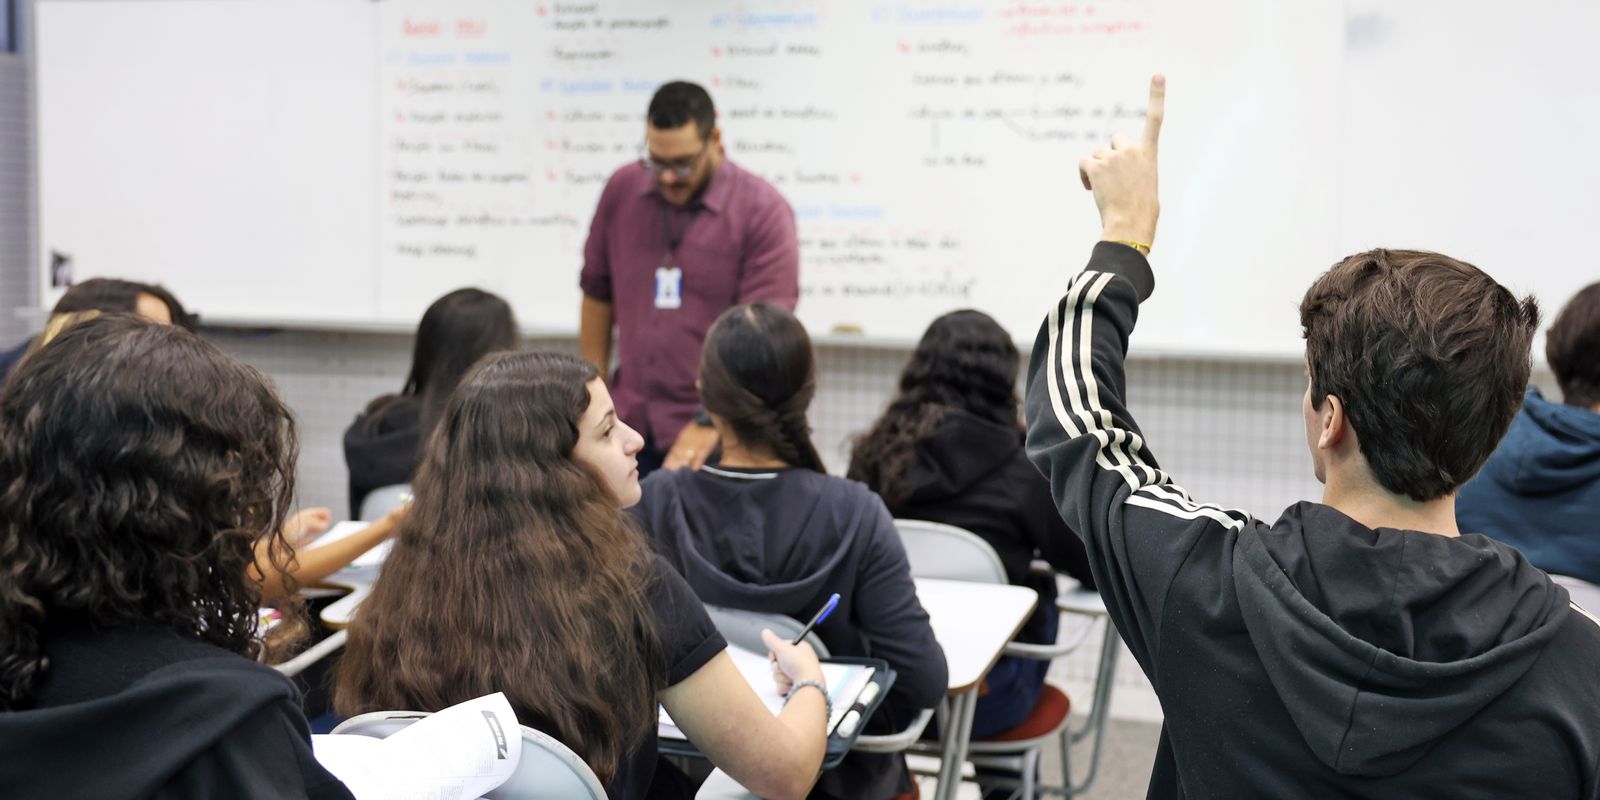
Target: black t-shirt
{"type": "Point", "coordinates": [689, 640]}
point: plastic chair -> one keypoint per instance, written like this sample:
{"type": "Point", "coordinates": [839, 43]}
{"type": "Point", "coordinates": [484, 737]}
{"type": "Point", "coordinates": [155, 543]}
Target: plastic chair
{"type": "Point", "coordinates": [547, 770]}
{"type": "Point", "coordinates": [382, 500]}
{"type": "Point", "coordinates": [1582, 592]}
{"type": "Point", "coordinates": [743, 628]}
{"type": "Point", "coordinates": [936, 550]}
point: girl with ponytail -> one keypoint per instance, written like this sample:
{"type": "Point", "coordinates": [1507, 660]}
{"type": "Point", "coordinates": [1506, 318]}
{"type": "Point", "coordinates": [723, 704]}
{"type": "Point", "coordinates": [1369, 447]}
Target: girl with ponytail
{"type": "Point", "coordinates": [765, 528]}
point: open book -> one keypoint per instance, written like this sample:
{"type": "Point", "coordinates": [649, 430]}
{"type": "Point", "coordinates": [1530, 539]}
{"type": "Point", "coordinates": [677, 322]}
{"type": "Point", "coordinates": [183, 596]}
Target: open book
{"type": "Point", "coordinates": [845, 682]}
{"type": "Point", "coordinates": [463, 751]}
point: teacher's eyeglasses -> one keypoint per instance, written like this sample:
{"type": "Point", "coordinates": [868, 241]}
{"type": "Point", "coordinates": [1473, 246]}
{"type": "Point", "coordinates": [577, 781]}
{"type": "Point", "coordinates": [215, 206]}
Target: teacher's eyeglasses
{"type": "Point", "coordinates": [680, 167]}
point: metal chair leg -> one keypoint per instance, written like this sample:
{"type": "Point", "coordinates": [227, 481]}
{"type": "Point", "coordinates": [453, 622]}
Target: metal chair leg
{"type": "Point", "coordinates": [1095, 724]}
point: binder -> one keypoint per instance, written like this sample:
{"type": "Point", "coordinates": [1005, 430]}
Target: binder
{"type": "Point", "coordinates": [848, 721]}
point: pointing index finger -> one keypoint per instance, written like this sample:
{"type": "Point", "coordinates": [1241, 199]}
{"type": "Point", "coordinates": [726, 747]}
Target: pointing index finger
{"type": "Point", "coordinates": [1156, 111]}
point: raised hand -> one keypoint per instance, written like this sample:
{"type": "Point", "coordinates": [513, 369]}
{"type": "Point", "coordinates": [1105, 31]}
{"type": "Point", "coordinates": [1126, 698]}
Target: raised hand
{"type": "Point", "coordinates": [1123, 177]}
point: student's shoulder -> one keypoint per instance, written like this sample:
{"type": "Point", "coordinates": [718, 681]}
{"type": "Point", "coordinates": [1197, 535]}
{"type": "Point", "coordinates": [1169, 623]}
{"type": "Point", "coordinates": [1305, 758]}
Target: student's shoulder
{"type": "Point", "coordinates": [846, 494]}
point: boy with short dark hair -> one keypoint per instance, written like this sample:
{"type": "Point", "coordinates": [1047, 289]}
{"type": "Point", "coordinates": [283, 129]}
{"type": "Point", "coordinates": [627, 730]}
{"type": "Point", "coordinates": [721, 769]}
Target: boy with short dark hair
{"type": "Point", "coordinates": [1540, 491]}
{"type": "Point", "coordinates": [1358, 647]}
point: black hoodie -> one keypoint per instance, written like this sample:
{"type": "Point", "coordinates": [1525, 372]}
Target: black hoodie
{"type": "Point", "coordinates": [383, 446]}
{"type": "Point", "coordinates": [149, 714]}
{"type": "Point", "coordinates": [1312, 657]}
{"type": "Point", "coordinates": [973, 474]}
{"type": "Point", "coordinates": [781, 542]}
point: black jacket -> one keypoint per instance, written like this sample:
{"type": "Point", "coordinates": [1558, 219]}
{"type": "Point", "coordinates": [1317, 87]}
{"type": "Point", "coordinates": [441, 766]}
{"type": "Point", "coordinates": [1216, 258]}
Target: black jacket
{"type": "Point", "coordinates": [1310, 657]}
{"type": "Point", "coordinates": [383, 446]}
{"type": "Point", "coordinates": [781, 542]}
{"type": "Point", "coordinates": [149, 714]}
{"type": "Point", "coordinates": [973, 474]}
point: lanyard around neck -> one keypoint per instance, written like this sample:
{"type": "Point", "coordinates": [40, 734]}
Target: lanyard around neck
{"type": "Point", "coordinates": [672, 233]}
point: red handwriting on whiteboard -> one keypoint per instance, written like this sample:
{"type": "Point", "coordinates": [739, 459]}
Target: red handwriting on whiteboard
{"type": "Point", "coordinates": [421, 29]}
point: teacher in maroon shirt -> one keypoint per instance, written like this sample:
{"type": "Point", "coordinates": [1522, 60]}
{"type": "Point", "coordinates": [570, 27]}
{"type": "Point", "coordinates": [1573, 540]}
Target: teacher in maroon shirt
{"type": "Point", "coordinates": [679, 236]}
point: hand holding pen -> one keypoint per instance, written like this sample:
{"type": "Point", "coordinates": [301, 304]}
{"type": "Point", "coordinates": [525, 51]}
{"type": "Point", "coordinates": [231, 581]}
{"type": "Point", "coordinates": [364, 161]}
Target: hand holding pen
{"type": "Point", "coordinates": [786, 670]}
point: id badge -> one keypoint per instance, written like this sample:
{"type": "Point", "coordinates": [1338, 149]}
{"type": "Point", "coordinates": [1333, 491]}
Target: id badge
{"type": "Point", "coordinates": [669, 287]}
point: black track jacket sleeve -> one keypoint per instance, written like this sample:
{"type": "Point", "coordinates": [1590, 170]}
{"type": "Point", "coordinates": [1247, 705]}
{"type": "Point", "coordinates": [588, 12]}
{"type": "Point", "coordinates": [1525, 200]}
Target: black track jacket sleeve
{"type": "Point", "coordinates": [1138, 527]}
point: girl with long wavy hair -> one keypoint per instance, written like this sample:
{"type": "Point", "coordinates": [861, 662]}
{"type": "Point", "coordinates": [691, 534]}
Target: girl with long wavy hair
{"type": "Point", "coordinates": [949, 449]}
{"type": "Point", "coordinates": [767, 529]}
{"type": "Point", "coordinates": [517, 570]}
{"type": "Point", "coordinates": [384, 445]}
{"type": "Point", "coordinates": [139, 467]}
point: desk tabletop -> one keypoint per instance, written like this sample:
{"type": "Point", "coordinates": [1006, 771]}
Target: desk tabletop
{"type": "Point", "coordinates": [359, 581]}
{"type": "Point", "coordinates": [973, 622]}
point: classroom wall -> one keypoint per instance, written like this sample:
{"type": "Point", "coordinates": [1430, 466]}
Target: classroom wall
{"type": "Point", "coordinates": [16, 192]}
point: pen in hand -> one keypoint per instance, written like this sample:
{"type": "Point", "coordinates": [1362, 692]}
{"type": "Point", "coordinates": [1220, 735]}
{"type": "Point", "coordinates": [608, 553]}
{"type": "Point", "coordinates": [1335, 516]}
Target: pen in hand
{"type": "Point", "coordinates": [822, 614]}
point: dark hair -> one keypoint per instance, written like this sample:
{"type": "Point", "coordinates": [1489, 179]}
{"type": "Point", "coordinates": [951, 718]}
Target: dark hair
{"type": "Point", "coordinates": [964, 361]}
{"type": "Point", "coordinates": [139, 467]}
{"type": "Point", "coordinates": [1430, 358]}
{"type": "Point", "coordinates": [457, 331]}
{"type": "Point", "coordinates": [678, 103]}
{"type": "Point", "coordinates": [114, 296]}
{"type": "Point", "coordinates": [1573, 348]}
{"type": "Point", "coordinates": [515, 571]}
{"type": "Point", "coordinates": [106, 295]}
{"type": "Point", "coordinates": [758, 373]}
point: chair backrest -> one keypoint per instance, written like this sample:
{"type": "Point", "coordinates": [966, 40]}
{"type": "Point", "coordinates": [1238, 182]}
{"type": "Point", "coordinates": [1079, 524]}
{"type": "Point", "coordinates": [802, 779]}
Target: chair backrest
{"type": "Point", "coordinates": [743, 628]}
{"type": "Point", "coordinates": [1582, 592]}
{"type": "Point", "coordinates": [547, 770]}
{"type": "Point", "coordinates": [936, 550]}
{"type": "Point", "coordinates": [382, 500]}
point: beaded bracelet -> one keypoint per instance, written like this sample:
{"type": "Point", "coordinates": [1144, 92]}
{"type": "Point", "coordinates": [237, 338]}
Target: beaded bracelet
{"type": "Point", "coordinates": [811, 682]}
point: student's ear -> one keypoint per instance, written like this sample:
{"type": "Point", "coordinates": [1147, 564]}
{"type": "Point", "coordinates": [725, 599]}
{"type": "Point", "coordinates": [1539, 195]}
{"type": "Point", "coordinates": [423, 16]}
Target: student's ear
{"type": "Point", "coordinates": [1335, 425]}
{"type": "Point", "coordinates": [716, 136]}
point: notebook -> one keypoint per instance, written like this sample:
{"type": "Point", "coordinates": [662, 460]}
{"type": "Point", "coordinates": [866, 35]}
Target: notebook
{"type": "Point", "coordinates": [845, 683]}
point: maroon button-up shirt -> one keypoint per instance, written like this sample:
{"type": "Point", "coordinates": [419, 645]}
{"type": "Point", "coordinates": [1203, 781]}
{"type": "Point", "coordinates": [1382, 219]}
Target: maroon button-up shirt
{"type": "Point", "coordinates": [739, 247]}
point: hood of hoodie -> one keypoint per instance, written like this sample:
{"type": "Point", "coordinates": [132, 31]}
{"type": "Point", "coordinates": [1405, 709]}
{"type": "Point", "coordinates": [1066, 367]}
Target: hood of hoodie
{"type": "Point", "coordinates": [129, 743]}
{"type": "Point", "coordinates": [963, 450]}
{"type": "Point", "coordinates": [773, 536]}
{"type": "Point", "coordinates": [385, 435]}
{"type": "Point", "coordinates": [1550, 448]}
{"type": "Point", "coordinates": [1439, 628]}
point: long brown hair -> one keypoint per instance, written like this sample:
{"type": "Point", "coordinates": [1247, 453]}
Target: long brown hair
{"type": "Point", "coordinates": [515, 571]}
{"type": "Point", "coordinates": [758, 373]}
{"type": "Point", "coordinates": [139, 467]}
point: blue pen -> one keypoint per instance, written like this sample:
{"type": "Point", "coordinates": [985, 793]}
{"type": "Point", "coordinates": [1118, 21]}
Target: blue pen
{"type": "Point", "coordinates": [822, 614]}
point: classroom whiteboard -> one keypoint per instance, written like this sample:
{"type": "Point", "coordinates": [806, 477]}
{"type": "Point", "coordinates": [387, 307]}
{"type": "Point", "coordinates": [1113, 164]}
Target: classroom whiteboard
{"type": "Point", "coordinates": [344, 163]}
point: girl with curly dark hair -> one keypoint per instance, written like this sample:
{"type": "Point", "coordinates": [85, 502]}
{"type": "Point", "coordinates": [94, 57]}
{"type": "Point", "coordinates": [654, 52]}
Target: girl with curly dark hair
{"type": "Point", "coordinates": [765, 528]}
{"type": "Point", "coordinates": [516, 570]}
{"type": "Point", "coordinates": [949, 449]}
{"type": "Point", "coordinates": [139, 467]}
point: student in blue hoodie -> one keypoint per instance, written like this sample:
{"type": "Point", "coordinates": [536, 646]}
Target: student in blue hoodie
{"type": "Point", "coordinates": [767, 529]}
{"type": "Point", "coordinates": [1540, 491]}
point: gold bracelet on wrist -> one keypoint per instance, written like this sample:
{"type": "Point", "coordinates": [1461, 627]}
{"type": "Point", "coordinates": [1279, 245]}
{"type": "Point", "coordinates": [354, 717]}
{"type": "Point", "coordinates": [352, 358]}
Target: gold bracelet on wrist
{"type": "Point", "coordinates": [1142, 247]}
